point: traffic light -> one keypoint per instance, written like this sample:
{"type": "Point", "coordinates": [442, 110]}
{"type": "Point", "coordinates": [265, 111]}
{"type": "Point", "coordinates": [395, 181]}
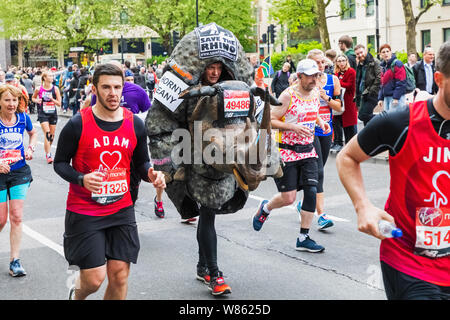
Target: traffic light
{"type": "Point", "coordinates": [264, 38]}
{"type": "Point", "coordinates": [175, 38]}
{"type": "Point", "coordinates": [101, 51]}
{"type": "Point", "coordinates": [272, 33]}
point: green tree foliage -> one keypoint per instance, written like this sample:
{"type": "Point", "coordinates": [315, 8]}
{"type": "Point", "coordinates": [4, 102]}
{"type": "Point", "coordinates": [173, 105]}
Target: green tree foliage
{"type": "Point", "coordinates": [164, 16]}
{"type": "Point", "coordinates": [72, 21]}
{"type": "Point", "coordinates": [297, 54]}
{"type": "Point", "coordinates": [297, 14]}
{"type": "Point", "coordinates": [411, 20]}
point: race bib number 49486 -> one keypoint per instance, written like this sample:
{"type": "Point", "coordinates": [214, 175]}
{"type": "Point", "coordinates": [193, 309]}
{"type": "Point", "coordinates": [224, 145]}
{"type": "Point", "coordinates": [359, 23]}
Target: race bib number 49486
{"type": "Point", "coordinates": [236, 103]}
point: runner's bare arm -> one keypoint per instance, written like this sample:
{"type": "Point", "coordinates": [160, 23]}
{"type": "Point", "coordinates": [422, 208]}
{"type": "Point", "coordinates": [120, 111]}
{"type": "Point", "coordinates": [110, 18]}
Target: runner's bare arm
{"type": "Point", "coordinates": [57, 101]}
{"type": "Point", "coordinates": [336, 104]}
{"type": "Point", "coordinates": [323, 125]}
{"type": "Point", "coordinates": [157, 178]}
{"type": "Point", "coordinates": [348, 164]}
{"type": "Point", "coordinates": [31, 143]}
{"type": "Point", "coordinates": [35, 97]}
{"type": "Point", "coordinates": [93, 181]}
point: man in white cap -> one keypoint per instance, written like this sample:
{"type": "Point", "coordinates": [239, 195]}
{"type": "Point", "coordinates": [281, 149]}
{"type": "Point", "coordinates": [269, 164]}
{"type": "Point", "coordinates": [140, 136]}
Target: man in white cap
{"type": "Point", "coordinates": [296, 119]}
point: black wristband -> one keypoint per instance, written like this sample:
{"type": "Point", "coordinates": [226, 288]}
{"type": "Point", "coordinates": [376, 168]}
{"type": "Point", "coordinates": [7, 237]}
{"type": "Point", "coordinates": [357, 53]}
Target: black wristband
{"type": "Point", "coordinates": [80, 180]}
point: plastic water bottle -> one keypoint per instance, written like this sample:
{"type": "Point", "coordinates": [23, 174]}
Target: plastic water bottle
{"type": "Point", "coordinates": [389, 230]}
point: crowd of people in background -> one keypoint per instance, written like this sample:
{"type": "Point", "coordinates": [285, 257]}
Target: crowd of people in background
{"type": "Point", "coordinates": [75, 83]}
{"type": "Point", "coordinates": [367, 82]}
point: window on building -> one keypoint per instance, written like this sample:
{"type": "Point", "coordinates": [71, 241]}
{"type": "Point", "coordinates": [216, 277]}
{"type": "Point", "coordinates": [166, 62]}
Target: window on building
{"type": "Point", "coordinates": [446, 34]}
{"type": "Point", "coordinates": [426, 38]}
{"type": "Point", "coordinates": [349, 9]}
{"type": "Point", "coordinates": [371, 42]}
{"type": "Point", "coordinates": [370, 7]}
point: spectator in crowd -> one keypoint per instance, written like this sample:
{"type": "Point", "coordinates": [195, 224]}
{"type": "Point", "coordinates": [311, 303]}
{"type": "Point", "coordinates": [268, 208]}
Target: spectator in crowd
{"type": "Point", "coordinates": [281, 79]}
{"type": "Point", "coordinates": [412, 59]}
{"type": "Point", "coordinates": [254, 61]}
{"type": "Point", "coordinates": [139, 77]}
{"type": "Point", "coordinates": [74, 104]}
{"type": "Point", "coordinates": [37, 79]}
{"type": "Point", "coordinates": [346, 45]}
{"type": "Point", "coordinates": [368, 75]}
{"type": "Point", "coordinates": [293, 78]}
{"type": "Point", "coordinates": [151, 81]}
{"type": "Point", "coordinates": [28, 84]}
{"type": "Point", "coordinates": [2, 77]}
{"type": "Point", "coordinates": [331, 56]}
{"type": "Point", "coordinates": [129, 76]}
{"type": "Point", "coordinates": [292, 69]}
{"type": "Point", "coordinates": [347, 121]}
{"type": "Point", "coordinates": [393, 80]}
{"type": "Point", "coordinates": [424, 72]}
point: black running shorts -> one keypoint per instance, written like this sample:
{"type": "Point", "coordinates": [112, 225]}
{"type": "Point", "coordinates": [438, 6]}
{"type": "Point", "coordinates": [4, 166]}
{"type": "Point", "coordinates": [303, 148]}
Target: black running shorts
{"type": "Point", "coordinates": [297, 174]}
{"type": "Point", "coordinates": [400, 286]}
{"type": "Point", "coordinates": [51, 118]}
{"type": "Point", "coordinates": [89, 241]}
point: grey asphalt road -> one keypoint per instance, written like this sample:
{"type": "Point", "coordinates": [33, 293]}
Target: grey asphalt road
{"type": "Point", "coordinates": [257, 265]}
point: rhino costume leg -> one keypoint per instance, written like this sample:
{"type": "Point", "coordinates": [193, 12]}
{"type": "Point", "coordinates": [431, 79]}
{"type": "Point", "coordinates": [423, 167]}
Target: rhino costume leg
{"type": "Point", "coordinates": [161, 146]}
{"type": "Point", "coordinates": [207, 240]}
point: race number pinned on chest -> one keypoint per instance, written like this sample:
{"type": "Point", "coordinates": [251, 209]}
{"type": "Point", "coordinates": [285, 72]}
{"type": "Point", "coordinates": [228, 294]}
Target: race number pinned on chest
{"type": "Point", "coordinates": [114, 186]}
{"type": "Point", "coordinates": [10, 156]}
{"type": "Point", "coordinates": [168, 90]}
{"type": "Point", "coordinates": [236, 103]}
{"type": "Point", "coordinates": [215, 41]}
{"type": "Point", "coordinates": [433, 232]}
{"type": "Point", "coordinates": [48, 106]}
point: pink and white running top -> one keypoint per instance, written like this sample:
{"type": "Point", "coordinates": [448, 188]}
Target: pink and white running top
{"type": "Point", "coordinates": [304, 112]}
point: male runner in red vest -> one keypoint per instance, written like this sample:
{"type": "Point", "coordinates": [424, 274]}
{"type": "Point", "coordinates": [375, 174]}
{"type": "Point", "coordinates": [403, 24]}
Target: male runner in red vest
{"type": "Point", "coordinates": [101, 235]}
{"type": "Point", "coordinates": [417, 265]}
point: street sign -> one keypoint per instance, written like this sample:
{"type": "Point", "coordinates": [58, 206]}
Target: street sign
{"type": "Point", "coordinates": [73, 54]}
{"type": "Point", "coordinates": [76, 49]}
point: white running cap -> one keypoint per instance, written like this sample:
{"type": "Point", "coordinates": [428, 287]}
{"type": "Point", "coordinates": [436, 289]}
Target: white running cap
{"type": "Point", "coordinates": [308, 67]}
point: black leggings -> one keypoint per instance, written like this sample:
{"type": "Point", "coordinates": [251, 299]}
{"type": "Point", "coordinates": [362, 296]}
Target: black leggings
{"type": "Point", "coordinates": [207, 240]}
{"type": "Point", "coordinates": [322, 144]}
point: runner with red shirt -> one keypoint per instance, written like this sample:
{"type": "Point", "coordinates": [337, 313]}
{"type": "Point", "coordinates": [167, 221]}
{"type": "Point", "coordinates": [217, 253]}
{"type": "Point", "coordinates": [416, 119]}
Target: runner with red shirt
{"type": "Point", "coordinates": [101, 235]}
{"type": "Point", "coordinates": [417, 265]}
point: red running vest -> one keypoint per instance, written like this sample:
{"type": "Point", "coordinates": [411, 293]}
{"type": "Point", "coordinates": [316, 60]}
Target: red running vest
{"type": "Point", "coordinates": [419, 202]}
{"type": "Point", "coordinates": [103, 150]}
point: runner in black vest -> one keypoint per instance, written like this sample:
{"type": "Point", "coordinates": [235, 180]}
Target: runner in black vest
{"type": "Point", "coordinates": [47, 97]}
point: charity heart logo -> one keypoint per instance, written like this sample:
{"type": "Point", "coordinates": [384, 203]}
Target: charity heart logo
{"type": "Point", "coordinates": [438, 197]}
{"type": "Point", "coordinates": [110, 159]}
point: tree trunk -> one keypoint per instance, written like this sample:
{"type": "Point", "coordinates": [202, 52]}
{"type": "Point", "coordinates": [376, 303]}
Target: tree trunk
{"type": "Point", "coordinates": [322, 22]}
{"type": "Point", "coordinates": [410, 23]}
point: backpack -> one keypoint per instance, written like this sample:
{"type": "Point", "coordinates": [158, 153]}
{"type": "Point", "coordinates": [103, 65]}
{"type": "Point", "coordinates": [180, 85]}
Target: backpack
{"type": "Point", "coordinates": [279, 73]}
{"type": "Point", "coordinates": [410, 79]}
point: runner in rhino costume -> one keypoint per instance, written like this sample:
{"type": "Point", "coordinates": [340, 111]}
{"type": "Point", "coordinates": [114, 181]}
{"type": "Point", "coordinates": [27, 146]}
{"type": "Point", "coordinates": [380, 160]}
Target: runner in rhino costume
{"type": "Point", "coordinates": [186, 95]}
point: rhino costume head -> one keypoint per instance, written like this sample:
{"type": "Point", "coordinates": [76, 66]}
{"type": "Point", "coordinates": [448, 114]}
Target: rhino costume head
{"type": "Point", "coordinates": [222, 186]}
{"type": "Point", "coordinates": [239, 146]}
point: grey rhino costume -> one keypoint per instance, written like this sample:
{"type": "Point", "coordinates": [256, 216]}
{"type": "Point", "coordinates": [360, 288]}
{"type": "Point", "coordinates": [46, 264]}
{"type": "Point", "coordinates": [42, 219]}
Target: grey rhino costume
{"type": "Point", "coordinates": [199, 183]}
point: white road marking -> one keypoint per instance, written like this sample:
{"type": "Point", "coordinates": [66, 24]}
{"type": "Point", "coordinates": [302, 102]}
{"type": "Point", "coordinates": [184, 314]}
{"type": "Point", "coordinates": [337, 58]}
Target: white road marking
{"type": "Point", "coordinates": [42, 239]}
{"type": "Point", "coordinates": [41, 143]}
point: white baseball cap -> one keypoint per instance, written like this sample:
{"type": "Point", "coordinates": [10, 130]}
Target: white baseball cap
{"type": "Point", "coordinates": [308, 67]}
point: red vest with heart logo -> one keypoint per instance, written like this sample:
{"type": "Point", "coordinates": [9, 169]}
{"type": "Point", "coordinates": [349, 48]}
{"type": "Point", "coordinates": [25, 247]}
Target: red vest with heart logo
{"type": "Point", "coordinates": [419, 201]}
{"type": "Point", "coordinates": [100, 150]}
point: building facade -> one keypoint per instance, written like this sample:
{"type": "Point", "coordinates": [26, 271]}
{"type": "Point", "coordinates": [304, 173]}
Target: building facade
{"type": "Point", "coordinates": [360, 22]}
